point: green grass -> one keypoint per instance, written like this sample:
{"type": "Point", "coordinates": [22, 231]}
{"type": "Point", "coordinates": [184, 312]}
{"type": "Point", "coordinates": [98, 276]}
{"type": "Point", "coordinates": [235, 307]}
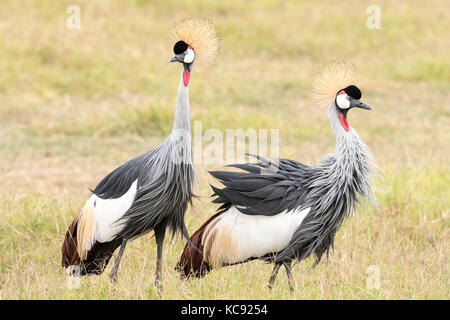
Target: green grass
{"type": "Point", "coordinates": [76, 104]}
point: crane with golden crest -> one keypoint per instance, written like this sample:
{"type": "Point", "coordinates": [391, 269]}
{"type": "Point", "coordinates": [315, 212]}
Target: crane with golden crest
{"type": "Point", "coordinates": [283, 211]}
{"type": "Point", "coordinates": [151, 191]}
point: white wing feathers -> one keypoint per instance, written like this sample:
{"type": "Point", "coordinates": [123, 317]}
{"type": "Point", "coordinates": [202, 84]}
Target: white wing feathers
{"type": "Point", "coordinates": [96, 220]}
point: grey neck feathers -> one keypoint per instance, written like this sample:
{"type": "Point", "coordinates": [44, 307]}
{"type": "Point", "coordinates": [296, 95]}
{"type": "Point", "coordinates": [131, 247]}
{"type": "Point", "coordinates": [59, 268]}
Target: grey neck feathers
{"type": "Point", "coordinates": [182, 117]}
{"type": "Point", "coordinates": [165, 179]}
{"type": "Point", "coordinates": [338, 183]}
{"type": "Point", "coordinates": [336, 187]}
{"type": "Point", "coordinates": [180, 140]}
{"type": "Point", "coordinates": [352, 165]}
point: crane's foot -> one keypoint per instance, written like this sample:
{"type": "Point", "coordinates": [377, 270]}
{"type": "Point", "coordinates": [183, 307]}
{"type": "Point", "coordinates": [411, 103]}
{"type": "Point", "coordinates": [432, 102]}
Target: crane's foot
{"type": "Point", "coordinates": [291, 289]}
{"type": "Point", "coordinates": [113, 277]}
{"type": "Point", "coordinates": [287, 266]}
{"type": "Point", "coordinates": [159, 287]}
{"type": "Point", "coordinates": [159, 237]}
{"type": "Point", "coordinates": [113, 274]}
{"type": "Point", "coordinates": [274, 275]}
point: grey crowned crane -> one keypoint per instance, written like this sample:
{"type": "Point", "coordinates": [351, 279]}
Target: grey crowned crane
{"type": "Point", "coordinates": [151, 191]}
{"type": "Point", "coordinates": [284, 215]}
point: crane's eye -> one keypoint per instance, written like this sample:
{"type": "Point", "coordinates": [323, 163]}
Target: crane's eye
{"type": "Point", "coordinates": [348, 97]}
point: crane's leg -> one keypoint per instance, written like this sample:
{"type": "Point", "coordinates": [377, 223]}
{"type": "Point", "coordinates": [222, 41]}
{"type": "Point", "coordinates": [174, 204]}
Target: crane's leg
{"type": "Point", "coordinates": [276, 267]}
{"type": "Point", "coordinates": [288, 267]}
{"type": "Point", "coordinates": [159, 236]}
{"type": "Point", "coordinates": [113, 274]}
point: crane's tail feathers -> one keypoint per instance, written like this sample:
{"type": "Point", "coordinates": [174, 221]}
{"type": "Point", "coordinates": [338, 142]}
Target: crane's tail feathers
{"type": "Point", "coordinates": [97, 258]}
{"type": "Point", "coordinates": [70, 256]}
{"type": "Point", "coordinates": [192, 263]}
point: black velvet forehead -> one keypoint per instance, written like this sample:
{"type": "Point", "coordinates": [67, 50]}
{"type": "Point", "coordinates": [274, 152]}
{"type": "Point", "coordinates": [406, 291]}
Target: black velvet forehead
{"type": "Point", "coordinates": [353, 91]}
{"type": "Point", "coordinates": [180, 47]}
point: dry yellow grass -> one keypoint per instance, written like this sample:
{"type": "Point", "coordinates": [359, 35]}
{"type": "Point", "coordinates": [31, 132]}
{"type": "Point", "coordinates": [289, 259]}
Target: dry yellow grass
{"type": "Point", "coordinates": [76, 104]}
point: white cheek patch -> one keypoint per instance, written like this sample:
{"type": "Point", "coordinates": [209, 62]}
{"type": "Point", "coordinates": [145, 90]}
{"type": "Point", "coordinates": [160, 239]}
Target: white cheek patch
{"type": "Point", "coordinates": [342, 101]}
{"type": "Point", "coordinates": [189, 57]}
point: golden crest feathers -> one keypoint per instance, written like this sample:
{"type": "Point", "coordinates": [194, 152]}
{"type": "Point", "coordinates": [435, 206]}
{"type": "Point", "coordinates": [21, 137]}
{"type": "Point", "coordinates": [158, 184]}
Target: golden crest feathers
{"type": "Point", "coordinates": [334, 76]}
{"type": "Point", "coordinates": [201, 34]}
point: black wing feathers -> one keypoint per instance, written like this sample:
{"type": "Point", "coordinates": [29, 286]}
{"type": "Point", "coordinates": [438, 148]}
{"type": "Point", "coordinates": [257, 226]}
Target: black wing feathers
{"type": "Point", "coordinates": [117, 183]}
{"type": "Point", "coordinates": [263, 192]}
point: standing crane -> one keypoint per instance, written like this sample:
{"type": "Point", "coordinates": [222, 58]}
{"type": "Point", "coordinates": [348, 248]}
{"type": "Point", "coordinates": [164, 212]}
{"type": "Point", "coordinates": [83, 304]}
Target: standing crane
{"type": "Point", "coordinates": [151, 191]}
{"type": "Point", "coordinates": [285, 214]}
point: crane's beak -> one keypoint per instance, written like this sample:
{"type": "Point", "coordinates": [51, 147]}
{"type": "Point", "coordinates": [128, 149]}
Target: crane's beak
{"type": "Point", "coordinates": [354, 103]}
{"type": "Point", "coordinates": [177, 58]}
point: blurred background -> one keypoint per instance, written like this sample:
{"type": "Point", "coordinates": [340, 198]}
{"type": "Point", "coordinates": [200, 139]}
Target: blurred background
{"type": "Point", "coordinates": [76, 103]}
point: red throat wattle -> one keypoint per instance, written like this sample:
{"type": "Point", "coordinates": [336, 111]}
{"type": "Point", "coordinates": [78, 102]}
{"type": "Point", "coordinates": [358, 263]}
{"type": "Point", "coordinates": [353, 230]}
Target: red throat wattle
{"type": "Point", "coordinates": [344, 122]}
{"type": "Point", "coordinates": [186, 77]}
{"type": "Point", "coordinates": [187, 73]}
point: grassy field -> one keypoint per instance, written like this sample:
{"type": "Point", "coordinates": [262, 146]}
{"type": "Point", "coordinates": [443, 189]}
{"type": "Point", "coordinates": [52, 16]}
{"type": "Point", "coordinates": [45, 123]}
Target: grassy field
{"type": "Point", "coordinates": [74, 104]}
